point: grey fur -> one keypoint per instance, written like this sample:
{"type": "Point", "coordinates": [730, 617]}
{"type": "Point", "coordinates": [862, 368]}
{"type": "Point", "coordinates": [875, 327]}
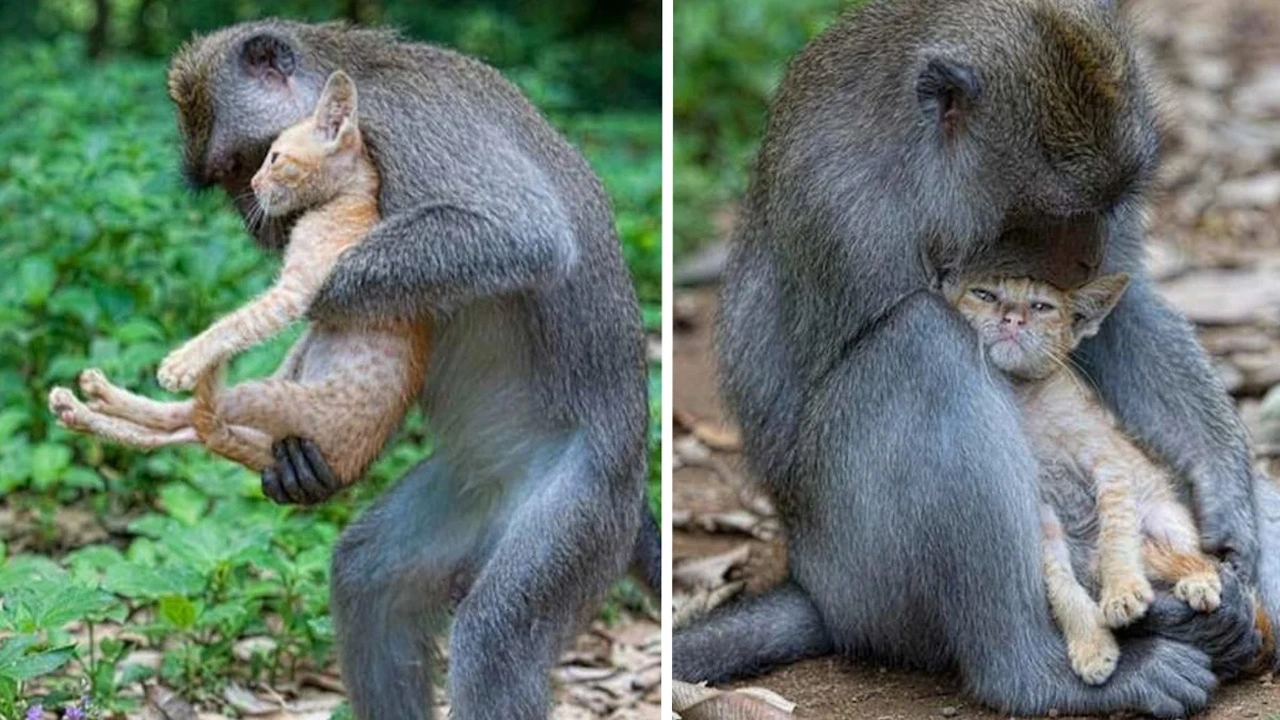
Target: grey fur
{"type": "Point", "coordinates": [912, 140]}
{"type": "Point", "coordinates": [497, 230]}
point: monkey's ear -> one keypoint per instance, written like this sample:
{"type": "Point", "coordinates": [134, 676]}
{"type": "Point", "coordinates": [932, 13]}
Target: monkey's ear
{"type": "Point", "coordinates": [1091, 304]}
{"type": "Point", "coordinates": [336, 109]}
{"type": "Point", "coordinates": [268, 57]}
{"type": "Point", "coordinates": [947, 90]}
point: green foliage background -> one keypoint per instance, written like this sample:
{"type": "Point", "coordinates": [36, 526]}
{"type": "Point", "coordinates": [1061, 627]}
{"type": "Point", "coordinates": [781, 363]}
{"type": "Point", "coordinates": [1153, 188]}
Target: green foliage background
{"type": "Point", "coordinates": [729, 57]}
{"type": "Point", "coordinates": [110, 262]}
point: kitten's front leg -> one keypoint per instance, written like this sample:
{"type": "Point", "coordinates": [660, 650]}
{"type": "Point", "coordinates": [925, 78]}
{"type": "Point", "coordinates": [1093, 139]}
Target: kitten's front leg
{"type": "Point", "coordinates": [266, 316]}
{"type": "Point", "coordinates": [1126, 593]}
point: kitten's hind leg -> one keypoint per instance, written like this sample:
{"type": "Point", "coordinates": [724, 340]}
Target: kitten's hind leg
{"type": "Point", "coordinates": [1171, 552]}
{"type": "Point", "coordinates": [108, 399]}
{"type": "Point", "coordinates": [1090, 645]}
{"type": "Point", "coordinates": [75, 415]}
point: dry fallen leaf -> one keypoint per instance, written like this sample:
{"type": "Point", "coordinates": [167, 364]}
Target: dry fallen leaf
{"type": "Point", "coordinates": [710, 572]}
{"type": "Point", "coordinates": [699, 702]}
{"type": "Point", "coordinates": [687, 608]}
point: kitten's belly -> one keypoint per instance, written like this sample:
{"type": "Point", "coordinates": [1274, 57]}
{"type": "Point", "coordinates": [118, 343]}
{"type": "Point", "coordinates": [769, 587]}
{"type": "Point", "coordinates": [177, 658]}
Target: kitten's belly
{"type": "Point", "coordinates": [358, 358]}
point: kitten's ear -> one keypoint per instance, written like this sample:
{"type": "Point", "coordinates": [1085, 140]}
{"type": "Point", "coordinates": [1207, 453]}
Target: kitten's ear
{"type": "Point", "coordinates": [947, 91]}
{"type": "Point", "coordinates": [336, 109]}
{"type": "Point", "coordinates": [1091, 304]}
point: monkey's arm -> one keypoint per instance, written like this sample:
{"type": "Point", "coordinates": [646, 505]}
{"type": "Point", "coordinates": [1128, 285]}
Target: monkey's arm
{"type": "Point", "coordinates": [446, 252]}
{"type": "Point", "coordinates": [1152, 372]}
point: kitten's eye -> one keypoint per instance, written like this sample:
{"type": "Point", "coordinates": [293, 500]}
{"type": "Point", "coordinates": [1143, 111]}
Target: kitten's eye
{"type": "Point", "coordinates": [1042, 307]}
{"type": "Point", "coordinates": [983, 295]}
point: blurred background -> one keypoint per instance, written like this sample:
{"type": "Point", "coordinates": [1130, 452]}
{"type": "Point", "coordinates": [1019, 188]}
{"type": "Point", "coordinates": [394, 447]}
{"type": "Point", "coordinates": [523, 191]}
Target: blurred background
{"type": "Point", "coordinates": [133, 580]}
{"type": "Point", "coordinates": [1214, 249]}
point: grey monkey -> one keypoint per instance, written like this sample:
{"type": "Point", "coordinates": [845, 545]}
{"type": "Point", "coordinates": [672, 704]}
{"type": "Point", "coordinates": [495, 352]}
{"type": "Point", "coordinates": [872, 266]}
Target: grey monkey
{"type": "Point", "coordinates": [498, 231]}
{"type": "Point", "coordinates": [912, 140]}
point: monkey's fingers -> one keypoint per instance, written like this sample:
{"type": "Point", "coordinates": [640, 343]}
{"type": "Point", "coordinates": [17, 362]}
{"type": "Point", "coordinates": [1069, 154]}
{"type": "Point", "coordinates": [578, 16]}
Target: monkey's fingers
{"type": "Point", "coordinates": [316, 480]}
{"type": "Point", "coordinates": [272, 485]}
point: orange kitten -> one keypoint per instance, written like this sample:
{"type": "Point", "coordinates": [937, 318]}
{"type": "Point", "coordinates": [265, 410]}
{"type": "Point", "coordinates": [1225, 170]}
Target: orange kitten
{"type": "Point", "coordinates": [344, 388]}
{"type": "Point", "coordinates": [1028, 329]}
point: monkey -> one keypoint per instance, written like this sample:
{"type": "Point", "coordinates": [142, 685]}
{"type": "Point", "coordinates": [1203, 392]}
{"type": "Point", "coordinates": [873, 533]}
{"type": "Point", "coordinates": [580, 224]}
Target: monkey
{"type": "Point", "coordinates": [912, 141]}
{"type": "Point", "coordinates": [497, 232]}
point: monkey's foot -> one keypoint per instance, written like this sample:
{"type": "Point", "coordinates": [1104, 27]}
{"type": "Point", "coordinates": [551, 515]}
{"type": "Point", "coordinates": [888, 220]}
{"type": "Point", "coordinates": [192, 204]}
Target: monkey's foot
{"type": "Point", "coordinates": [72, 413]}
{"type": "Point", "coordinates": [1125, 601]}
{"type": "Point", "coordinates": [1094, 658]}
{"type": "Point", "coordinates": [178, 371]}
{"type": "Point", "coordinates": [1201, 592]}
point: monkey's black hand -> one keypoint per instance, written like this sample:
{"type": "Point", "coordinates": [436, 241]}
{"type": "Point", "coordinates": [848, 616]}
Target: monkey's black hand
{"type": "Point", "coordinates": [1228, 634]}
{"type": "Point", "coordinates": [300, 475]}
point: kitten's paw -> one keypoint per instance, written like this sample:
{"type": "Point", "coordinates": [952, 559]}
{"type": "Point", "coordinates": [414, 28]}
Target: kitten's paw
{"type": "Point", "coordinates": [1095, 659]}
{"type": "Point", "coordinates": [93, 384]}
{"type": "Point", "coordinates": [1125, 601]}
{"type": "Point", "coordinates": [1201, 592]}
{"type": "Point", "coordinates": [179, 371]}
{"type": "Point", "coordinates": [68, 408]}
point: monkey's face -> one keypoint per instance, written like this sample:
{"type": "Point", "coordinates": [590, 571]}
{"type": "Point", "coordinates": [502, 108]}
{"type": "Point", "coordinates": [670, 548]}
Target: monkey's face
{"type": "Point", "coordinates": [234, 91]}
{"type": "Point", "coordinates": [1028, 328]}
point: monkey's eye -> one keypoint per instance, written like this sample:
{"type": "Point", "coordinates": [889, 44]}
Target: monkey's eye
{"type": "Point", "coordinates": [983, 295]}
{"type": "Point", "coordinates": [1043, 307]}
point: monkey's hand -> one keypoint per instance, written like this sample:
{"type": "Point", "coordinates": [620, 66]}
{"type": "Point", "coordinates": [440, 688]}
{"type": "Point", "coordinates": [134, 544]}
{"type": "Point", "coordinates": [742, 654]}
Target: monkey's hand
{"type": "Point", "coordinates": [179, 371]}
{"type": "Point", "coordinates": [300, 475]}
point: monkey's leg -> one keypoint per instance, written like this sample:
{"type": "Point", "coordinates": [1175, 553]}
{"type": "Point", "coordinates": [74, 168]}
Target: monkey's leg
{"type": "Point", "coordinates": [75, 415]}
{"type": "Point", "coordinates": [536, 588]}
{"type": "Point", "coordinates": [108, 399]}
{"type": "Point", "coordinates": [1090, 644]}
{"type": "Point", "coordinates": [925, 542]}
{"type": "Point", "coordinates": [1268, 494]}
{"type": "Point", "coordinates": [1155, 376]}
{"type": "Point", "coordinates": [393, 572]}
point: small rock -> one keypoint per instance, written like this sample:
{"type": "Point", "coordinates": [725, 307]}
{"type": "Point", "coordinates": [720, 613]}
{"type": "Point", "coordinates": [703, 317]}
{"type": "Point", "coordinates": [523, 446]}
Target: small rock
{"type": "Point", "coordinates": [950, 711]}
{"type": "Point", "coordinates": [1260, 191]}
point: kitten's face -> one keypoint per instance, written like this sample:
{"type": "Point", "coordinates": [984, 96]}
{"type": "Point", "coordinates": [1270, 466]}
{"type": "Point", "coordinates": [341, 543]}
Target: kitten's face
{"type": "Point", "coordinates": [1028, 327]}
{"type": "Point", "coordinates": [309, 163]}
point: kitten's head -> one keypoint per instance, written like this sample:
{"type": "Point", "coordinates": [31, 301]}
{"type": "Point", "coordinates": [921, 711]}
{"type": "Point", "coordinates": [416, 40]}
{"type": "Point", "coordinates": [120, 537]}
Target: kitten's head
{"type": "Point", "coordinates": [310, 162]}
{"type": "Point", "coordinates": [1028, 327]}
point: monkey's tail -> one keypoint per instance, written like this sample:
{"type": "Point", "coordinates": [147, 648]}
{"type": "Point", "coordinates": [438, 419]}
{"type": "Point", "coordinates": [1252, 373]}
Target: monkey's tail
{"type": "Point", "coordinates": [646, 557]}
{"type": "Point", "coordinates": [750, 636]}
{"type": "Point", "coordinates": [1268, 497]}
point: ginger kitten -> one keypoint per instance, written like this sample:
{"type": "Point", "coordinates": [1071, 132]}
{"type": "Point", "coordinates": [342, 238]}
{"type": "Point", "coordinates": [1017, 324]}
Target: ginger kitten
{"type": "Point", "coordinates": [344, 388]}
{"type": "Point", "coordinates": [1028, 329]}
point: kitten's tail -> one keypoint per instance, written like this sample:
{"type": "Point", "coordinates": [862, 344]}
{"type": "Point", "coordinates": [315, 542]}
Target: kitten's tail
{"type": "Point", "coordinates": [204, 412]}
{"type": "Point", "coordinates": [750, 636]}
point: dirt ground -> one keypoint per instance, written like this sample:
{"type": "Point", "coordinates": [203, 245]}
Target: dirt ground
{"type": "Point", "coordinates": [1215, 242]}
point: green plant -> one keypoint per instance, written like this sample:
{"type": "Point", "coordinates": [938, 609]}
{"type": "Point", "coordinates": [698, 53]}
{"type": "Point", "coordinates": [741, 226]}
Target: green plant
{"type": "Point", "coordinates": [729, 58]}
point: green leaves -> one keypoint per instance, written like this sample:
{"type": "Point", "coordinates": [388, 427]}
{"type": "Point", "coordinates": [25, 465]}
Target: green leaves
{"type": "Point", "coordinates": [17, 665]}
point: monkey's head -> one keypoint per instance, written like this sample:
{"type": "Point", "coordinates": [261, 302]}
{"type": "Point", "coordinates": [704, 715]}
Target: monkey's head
{"type": "Point", "coordinates": [1045, 104]}
{"type": "Point", "coordinates": [310, 162]}
{"type": "Point", "coordinates": [234, 91]}
{"type": "Point", "coordinates": [1028, 327]}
